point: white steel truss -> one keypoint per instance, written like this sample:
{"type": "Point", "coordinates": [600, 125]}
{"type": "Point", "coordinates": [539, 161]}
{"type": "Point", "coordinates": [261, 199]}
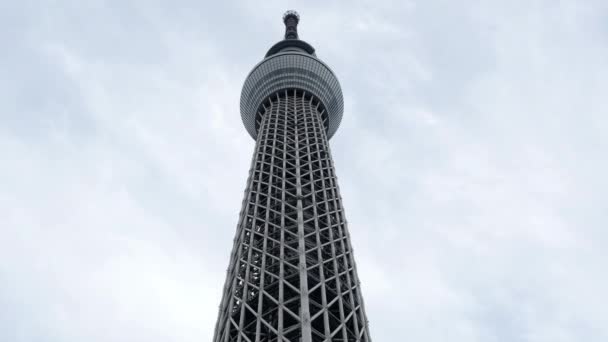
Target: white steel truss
{"type": "Point", "coordinates": [292, 275]}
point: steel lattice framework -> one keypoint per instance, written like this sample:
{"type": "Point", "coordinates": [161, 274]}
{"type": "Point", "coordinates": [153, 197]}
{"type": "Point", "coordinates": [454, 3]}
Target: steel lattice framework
{"type": "Point", "coordinates": [292, 274]}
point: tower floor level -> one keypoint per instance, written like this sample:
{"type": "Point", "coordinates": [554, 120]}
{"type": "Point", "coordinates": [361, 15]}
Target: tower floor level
{"type": "Point", "coordinates": [292, 275]}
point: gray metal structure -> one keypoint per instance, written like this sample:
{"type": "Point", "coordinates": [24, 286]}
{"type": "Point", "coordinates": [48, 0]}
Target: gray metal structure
{"type": "Point", "coordinates": [292, 275]}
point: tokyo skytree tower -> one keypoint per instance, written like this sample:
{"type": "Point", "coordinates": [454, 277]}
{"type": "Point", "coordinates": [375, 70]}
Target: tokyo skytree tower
{"type": "Point", "coordinates": [292, 274]}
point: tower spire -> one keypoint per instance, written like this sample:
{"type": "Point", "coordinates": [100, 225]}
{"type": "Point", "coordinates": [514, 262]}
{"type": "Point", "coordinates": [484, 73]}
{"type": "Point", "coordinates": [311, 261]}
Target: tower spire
{"type": "Point", "coordinates": [291, 19]}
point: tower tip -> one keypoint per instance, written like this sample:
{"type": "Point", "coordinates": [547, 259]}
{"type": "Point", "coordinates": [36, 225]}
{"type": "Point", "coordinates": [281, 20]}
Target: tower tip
{"type": "Point", "coordinates": [291, 13]}
{"type": "Point", "coordinates": [291, 19]}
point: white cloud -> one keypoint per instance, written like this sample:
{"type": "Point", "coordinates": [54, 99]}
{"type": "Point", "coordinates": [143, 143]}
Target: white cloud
{"type": "Point", "coordinates": [470, 161]}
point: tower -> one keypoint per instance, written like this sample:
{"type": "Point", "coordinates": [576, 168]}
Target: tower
{"type": "Point", "coordinates": [292, 274]}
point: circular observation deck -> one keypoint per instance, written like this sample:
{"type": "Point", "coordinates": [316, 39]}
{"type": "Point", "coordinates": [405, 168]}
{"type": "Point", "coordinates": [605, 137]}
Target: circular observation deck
{"type": "Point", "coordinates": [291, 64]}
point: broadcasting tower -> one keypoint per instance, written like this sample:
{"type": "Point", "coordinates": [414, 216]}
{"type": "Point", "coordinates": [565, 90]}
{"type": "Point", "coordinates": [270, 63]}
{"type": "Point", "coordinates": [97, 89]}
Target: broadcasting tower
{"type": "Point", "coordinates": [292, 274]}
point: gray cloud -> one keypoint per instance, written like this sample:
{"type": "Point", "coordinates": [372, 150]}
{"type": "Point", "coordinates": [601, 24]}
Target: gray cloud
{"type": "Point", "coordinates": [470, 161]}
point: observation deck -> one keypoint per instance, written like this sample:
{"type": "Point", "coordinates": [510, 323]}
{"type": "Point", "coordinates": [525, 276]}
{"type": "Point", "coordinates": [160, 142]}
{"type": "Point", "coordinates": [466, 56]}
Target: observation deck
{"type": "Point", "coordinates": [291, 64]}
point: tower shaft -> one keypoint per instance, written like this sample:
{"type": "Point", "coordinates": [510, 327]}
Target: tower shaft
{"type": "Point", "coordinates": [292, 275]}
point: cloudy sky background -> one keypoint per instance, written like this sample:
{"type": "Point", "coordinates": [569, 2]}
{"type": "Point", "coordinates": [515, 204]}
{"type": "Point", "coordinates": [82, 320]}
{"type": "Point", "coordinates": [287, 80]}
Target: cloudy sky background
{"type": "Point", "coordinates": [471, 159]}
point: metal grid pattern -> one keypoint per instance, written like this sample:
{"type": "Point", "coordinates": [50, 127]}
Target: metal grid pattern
{"type": "Point", "coordinates": [292, 274]}
{"type": "Point", "coordinates": [290, 70]}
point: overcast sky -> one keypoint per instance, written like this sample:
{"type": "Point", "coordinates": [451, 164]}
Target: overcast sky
{"type": "Point", "coordinates": [472, 159]}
